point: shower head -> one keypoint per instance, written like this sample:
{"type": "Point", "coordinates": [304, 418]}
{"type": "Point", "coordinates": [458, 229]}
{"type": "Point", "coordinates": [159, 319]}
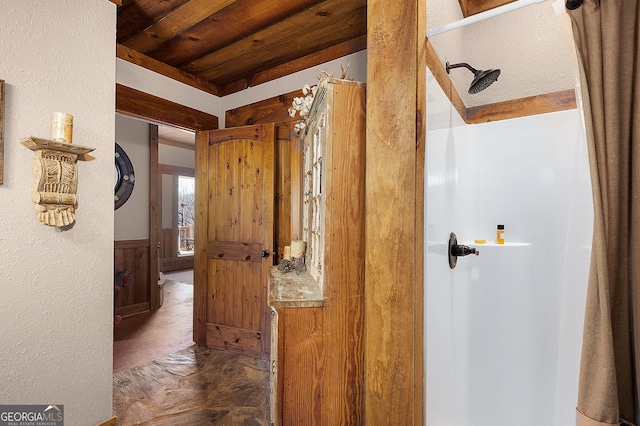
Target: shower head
{"type": "Point", "coordinates": [481, 80]}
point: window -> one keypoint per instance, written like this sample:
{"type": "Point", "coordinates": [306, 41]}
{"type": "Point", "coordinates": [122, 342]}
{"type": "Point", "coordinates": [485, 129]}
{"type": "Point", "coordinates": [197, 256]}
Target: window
{"type": "Point", "coordinates": [313, 218]}
{"type": "Point", "coordinates": [186, 214]}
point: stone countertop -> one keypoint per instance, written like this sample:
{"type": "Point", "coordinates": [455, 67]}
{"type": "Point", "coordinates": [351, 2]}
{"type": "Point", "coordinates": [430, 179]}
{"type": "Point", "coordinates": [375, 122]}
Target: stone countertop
{"type": "Point", "coordinates": [293, 290]}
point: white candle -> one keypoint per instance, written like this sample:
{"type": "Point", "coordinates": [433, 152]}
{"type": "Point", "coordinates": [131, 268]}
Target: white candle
{"type": "Point", "coordinates": [62, 127]}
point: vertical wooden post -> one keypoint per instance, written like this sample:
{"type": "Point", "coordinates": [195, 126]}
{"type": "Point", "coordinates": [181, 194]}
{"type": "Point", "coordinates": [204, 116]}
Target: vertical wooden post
{"type": "Point", "coordinates": [421, 142]}
{"type": "Point", "coordinates": [393, 227]}
{"type": "Point", "coordinates": [154, 218]}
{"type": "Point", "coordinates": [200, 277]}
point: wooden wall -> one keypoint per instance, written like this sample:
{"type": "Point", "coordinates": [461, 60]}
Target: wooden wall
{"type": "Point", "coordinates": [169, 259]}
{"type": "Point", "coordinates": [133, 255]}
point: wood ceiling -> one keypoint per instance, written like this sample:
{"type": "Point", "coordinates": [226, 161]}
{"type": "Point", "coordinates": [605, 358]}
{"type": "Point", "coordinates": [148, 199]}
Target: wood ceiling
{"type": "Point", "coordinates": [224, 46]}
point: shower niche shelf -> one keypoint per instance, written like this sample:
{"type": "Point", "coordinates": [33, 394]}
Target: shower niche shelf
{"type": "Point", "coordinates": [494, 244]}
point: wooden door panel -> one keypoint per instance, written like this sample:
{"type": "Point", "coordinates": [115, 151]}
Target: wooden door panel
{"type": "Point", "coordinates": [235, 295]}
{"type": "Point", "coordinates": [236, 203]}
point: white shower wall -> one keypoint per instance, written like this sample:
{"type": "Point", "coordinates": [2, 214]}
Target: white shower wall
{"type": "Point", "coordinates": [504, 329]}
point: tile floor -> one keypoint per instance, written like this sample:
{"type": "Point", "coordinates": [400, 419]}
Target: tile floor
{"type": "Point", "coordinates": [162, 378]}
{"type": "Point", "coordinates": [194, 387]}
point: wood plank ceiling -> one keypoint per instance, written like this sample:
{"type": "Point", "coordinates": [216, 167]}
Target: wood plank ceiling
{"type": "Point", "coordinates": [224, 46]}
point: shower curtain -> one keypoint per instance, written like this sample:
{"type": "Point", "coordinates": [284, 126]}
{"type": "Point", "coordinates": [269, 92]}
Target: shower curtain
{"type": "Point", "coordinates": [607, 38]}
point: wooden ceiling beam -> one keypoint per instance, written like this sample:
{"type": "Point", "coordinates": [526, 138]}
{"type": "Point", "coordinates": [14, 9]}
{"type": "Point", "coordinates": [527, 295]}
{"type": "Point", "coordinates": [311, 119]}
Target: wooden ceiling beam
{"type": "Point", "coordinates": [174, 23]}
{"type": "Point", "coordinates": [523, 107]}
{"type": "Point", "coordinates": [137, 104]}
{"type": "Point", "coordinates": [272, 110]}
{"type": "Point", "coordinates": [151, 64]}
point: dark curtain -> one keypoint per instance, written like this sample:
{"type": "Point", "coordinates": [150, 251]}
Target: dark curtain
{"type": "Point", "coordinates": [607, 37]}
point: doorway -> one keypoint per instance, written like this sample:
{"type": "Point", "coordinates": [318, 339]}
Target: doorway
{"type": "Point", "coordinates": [162, 324]}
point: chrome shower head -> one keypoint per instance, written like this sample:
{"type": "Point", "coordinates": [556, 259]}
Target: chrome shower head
{"type": "Point", "coordinates": [481, 80]}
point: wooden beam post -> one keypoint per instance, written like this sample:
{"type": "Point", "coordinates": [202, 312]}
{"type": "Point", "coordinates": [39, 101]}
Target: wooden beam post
{"type": "Point", "coordinates": [156, 298]}
{"type": "Point", "coordinates": [394, 205]}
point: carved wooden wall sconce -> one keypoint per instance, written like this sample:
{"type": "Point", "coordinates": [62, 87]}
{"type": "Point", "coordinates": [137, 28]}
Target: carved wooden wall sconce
{"type": "Point", "coordinates": [55, 186]}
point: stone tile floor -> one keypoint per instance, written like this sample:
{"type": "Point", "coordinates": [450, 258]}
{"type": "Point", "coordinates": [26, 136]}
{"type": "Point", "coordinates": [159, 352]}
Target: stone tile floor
{"type": "Point", "coordinates": [194, 387]}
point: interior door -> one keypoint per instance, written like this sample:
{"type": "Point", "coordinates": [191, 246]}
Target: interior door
{"type": "Point", "coordinates": [234, 238]}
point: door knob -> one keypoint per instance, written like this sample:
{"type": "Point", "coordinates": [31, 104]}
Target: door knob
{"type": "Point", "coordinates": [264, 253]}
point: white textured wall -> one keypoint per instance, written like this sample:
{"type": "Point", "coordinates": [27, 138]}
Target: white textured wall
{"type": "Point", "coordinates": [132, 218]}
{"type": "Point", "coordinates": [147, 81]}
{"type": "Point", "coordinates": [139, 78]}
{"type": "Point", "coordinates": [174, 156]}
{"type": "Point", "coordinates": [529, 45]}
{"type": "Point", "coordinates": [357, 63]}
{"type": "Point", "coordinates": [57, 286]}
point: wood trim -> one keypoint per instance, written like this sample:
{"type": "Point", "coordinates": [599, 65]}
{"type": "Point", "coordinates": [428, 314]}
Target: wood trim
{"type": "Point", "coordinates": [421, 135]}
{"type": "Point", "coordinates": [239, 252]}
{"type": "Point", "coordinates": [126, 244]}
{"type": "Point", "coordinates": [144, 61]}
{"type": "Point", "coordinates": [201, 257]}
{"type": "Point", "coordinates": [137, 104]}
{"type": "Point", "coordinates": [155, 206]}
{"type": "Point", "coordinates": [176, 263]}
{"type": "Point", "coordinates": [117, 3]}
{"type": "Point", "coordinates": [175, 188]}
{"type": "Point", "coordinates": [168, 169]}
{"type": "Point", "coordinates": [440, 74]}
{"type": "Point", "coordinates": [269, 167]}
{"type": "Point", "coordinates": [236, 340]}
{"type": "Point", "coordinates": [296, 189]}
{"type": "Point", "coordinates": [247, 132]}
{"type": "Point", "coordinates": [532, 105]}
{"type": "Point", "coordinates": [271, 110]}
{"type": "Point", "coordinates": [138, 308]}
{"type": "Point", "coordinates": [391, 383]}
{"type": "Point", "coordinates": [113, 421]}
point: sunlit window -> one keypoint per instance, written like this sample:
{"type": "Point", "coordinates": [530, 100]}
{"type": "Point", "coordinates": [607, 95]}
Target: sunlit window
{"type": "Point", "coordinates": [186, 214]}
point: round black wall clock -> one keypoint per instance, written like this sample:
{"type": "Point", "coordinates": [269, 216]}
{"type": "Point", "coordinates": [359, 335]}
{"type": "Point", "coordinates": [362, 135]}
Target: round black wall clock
{"type": "Point", "coordinates": [124, 178]}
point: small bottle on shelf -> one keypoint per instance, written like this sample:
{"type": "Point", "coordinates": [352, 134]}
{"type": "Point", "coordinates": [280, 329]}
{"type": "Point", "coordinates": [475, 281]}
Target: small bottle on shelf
{"type": "Point", "coordinates": [500, 235]}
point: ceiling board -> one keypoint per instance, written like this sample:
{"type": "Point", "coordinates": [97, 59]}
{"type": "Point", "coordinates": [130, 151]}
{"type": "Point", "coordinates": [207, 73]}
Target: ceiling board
{"type": "Point", "coordinates": [174, 23]}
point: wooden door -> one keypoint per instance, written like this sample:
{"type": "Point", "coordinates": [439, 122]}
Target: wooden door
{"type": "Point", "coordinates": [234, 230]}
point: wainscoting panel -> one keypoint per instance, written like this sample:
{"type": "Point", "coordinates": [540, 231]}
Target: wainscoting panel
{"type": "Point", "coordinates": [133, 256]}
